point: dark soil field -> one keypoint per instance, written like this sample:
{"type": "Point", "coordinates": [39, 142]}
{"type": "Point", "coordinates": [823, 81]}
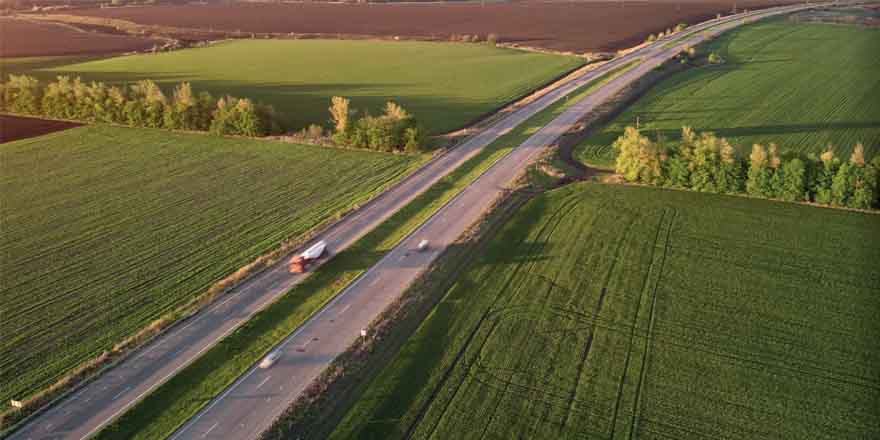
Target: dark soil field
{"type": "Point", "coordinates": [565, 26]}
{"type": "Point", "coordinates": [15, 127]}
{"type": "Point", "coordinates": [22, 38]}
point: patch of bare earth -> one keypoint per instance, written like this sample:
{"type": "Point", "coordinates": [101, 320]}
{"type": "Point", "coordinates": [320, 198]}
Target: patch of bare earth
{"type": "Point", "coordinates": [26, 38]}
{"type": "Point", "coordinates": [579, 27]}
{"type": "Point", "coordinates": [13, 128]}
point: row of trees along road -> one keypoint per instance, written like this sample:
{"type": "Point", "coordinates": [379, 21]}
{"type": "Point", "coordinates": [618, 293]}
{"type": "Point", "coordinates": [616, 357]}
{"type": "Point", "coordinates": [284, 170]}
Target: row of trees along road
{"type": "Point", "coordinates": [142, 104]}
{"type": "Point", "coordinates": [708, 163]}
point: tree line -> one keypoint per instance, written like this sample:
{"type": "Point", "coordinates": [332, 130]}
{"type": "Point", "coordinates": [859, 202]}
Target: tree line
{"type": "Point", "coordinates": [142, 104]}
{"type": "Point", "coordinates": [394, 130]}
{"type": "Point", "coordinates": [707, 163]}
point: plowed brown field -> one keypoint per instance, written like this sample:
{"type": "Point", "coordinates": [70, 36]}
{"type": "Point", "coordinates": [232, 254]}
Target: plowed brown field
{"type": "Point", "coordinates": [567, 26]}
{"type": "Point", "coordinates": [22, 38]}
{"type": "Point", "coordinates": [13, 128]}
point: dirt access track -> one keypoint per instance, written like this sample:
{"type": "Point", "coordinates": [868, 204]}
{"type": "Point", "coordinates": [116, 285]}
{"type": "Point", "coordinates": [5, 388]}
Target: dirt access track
{"type": "Point", "coordinates": [24, 38]}
{"type": "Point", "coordinates": [578, 27]}
{"type": "Point", "coordinates": [13, 128]}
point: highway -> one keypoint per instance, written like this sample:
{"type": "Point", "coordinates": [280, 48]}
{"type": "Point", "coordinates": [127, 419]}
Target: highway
{"type": "Point", "coordinates": [258, 397]}
{"type": "Point", "coordinates": [251, 404]}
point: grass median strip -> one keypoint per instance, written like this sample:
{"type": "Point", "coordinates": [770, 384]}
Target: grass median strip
{"type": "Point", "coordinates": [179, 399]}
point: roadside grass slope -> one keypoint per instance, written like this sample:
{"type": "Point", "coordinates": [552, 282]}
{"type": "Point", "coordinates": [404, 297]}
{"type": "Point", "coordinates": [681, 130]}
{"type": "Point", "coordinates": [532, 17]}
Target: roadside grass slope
{"type": "Point", "coordinates": [630, 312]}
{"type": "Point", "coordinates": [445, 85]}
{"type": "Point", "coordinates": [168, 407]}
{"type": "Point", "coordinates": [801, 86]}
{"type": "Point", "coordinates": [106, 229]}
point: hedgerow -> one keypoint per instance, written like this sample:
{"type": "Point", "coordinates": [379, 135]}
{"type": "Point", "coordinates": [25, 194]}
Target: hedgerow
{"type": "Point", "coordinates": [708, 163]}
{"type": "Point", "coordinates": [142, 104]}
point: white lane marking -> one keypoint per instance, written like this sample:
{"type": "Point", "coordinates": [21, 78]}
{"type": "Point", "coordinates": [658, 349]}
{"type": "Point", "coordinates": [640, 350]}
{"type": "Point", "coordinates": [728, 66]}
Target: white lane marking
{"type": "Point", "coordinates": [263, 382]}
{"type": "Point", "coordinates": [121, 393]}
{"type": "Point", "coordinates": [48, 426]}
{"type": "Point", "coordinates": [226, 301]}
{"type": "Point", "coordinates": [540, 104]}
{"type": "Point", "coordinates": [346, 308]}
{"type": "Point", "coordinates": [210, 429]}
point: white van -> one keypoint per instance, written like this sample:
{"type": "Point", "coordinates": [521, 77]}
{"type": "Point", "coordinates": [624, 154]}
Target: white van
{"type": "Point", "coordinates": [270, 359]}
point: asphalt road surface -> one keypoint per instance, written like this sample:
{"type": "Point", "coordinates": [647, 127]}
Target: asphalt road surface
{"type": "Point", "coordinates": [257, 398]}
{"type": "Point", "coordinates": [251, 404]}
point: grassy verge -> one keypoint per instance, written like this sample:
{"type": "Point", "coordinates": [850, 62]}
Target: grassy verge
{"type": "Point", "coordinates": [327, 400]}
{"type": "Point", "coordinates": [173, 403]}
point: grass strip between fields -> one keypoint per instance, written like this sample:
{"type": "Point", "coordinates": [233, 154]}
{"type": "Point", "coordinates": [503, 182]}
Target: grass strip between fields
{"type": "Point", "coordinates": [169, 406]}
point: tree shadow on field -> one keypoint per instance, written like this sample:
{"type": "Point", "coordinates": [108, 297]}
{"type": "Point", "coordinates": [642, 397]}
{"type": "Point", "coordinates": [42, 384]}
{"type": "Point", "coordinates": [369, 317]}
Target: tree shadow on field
{"type": "Point", "coordinates": [760, 130]}
{"type": "Point", "coordinates": [452, 331]}
{"type": "Point", "coordinates": [301, 105]}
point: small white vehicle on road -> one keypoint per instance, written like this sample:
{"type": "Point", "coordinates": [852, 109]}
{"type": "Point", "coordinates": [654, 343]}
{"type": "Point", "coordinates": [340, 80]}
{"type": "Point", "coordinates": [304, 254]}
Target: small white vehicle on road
{"type": "Point", "coordinates": [270, 359]}
{"type": "Point", "coordinates": [423, 245]}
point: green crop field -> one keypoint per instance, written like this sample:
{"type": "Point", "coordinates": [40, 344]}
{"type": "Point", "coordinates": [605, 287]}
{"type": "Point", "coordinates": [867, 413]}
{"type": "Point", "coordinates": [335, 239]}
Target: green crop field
{"type": "Point", "coordinates": [445, 85]}
{"type": "Point", "coordinates": [106, 229]}
{"type": "Point", "coordinates": [629, 312]}
{"type": "Point", "coordinates": [801, 86]}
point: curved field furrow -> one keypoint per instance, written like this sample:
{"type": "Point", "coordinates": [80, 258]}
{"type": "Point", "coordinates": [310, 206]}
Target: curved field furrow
{"type": "Point", "coordinates": [708, 326]}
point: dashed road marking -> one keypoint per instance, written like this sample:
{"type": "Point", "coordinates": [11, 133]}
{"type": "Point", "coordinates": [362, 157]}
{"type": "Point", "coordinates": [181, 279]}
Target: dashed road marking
{"type": "Point", "coordinates": [121, 393]}
{"type": "Point", "coordinates": [210, 429]}
{"type": "Point", "coordinates": [263, 382]}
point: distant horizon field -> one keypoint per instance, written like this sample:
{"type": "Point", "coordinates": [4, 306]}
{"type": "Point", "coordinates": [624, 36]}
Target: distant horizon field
{"type": "Point", "coordinates": [445, 85]}
{"type": "Point", "coordinates": [625, 312]}
{"type": "Point", "coordinates": [106, 229]}
{"type": "Point", "coordinates": [801, 86]}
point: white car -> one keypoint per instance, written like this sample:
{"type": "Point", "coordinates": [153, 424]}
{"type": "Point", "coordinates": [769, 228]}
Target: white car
{"type": "Point", "coordinates": [270, 359]}
{"type": "Point", "coordinates": [422, 245]}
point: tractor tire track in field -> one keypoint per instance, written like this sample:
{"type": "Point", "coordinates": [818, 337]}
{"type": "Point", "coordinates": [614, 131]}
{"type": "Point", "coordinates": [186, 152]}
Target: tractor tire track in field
{"type": "Point", "coordinates": [569, 206]}
{"type": "Point", "coordinates": [596, 313]}
{"type": "Point", "coordinates": [633, 328]}
{"type": "Point", "coordinates": [460, 355]}
{"type": "Point", "coordinates": [651, 319]}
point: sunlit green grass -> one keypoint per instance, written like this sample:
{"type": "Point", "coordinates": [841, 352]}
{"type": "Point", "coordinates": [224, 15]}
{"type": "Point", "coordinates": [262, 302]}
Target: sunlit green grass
{"type": "Point", "coordinates": [445, 85]}
{"type": "Point", "coordinates": [105, 229]}
{"type": "Point", "coordinates": [801, 86]}
{"type": "Point", "coordinates": [616, 312]}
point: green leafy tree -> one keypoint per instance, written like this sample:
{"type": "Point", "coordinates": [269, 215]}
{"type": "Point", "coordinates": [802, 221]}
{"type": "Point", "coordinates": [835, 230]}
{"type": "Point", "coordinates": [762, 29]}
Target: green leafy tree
{"type": "Point", "coordinates": [795, 184]}
{"type": "Point", "coordinates": [22, 94]}
{"type": "Point", "coordinates": [706, 164]}
{"type": "Point", "coordinates": [676, 172]}
{"type": "Point", "coordinates": [415, 138]}
{"type": "Point", "coordinates": [730, 178]}
{"type": "Point", "coordinates": [825, 177]}
{"type": "Point", "coordinates": [758, 182]}
{"type": "Point", "coordinates": [777, 175]}
{"type": "Point", "coordinates": [842, 184]}
{"type": "Point", "coordinates": [863, 180]}
{"type": "Point", "coordinates": [58, 99]}
{"type": "Point", "coordinates": [715, 58]}
{"type": "Point", "coordinates": [638, 159]}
